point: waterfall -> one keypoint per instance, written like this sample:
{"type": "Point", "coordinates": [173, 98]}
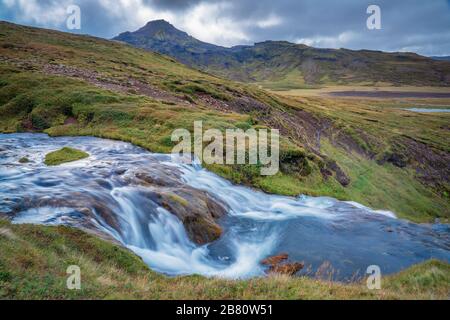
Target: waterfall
{"type": "Point", "coordinates": [99, 193]}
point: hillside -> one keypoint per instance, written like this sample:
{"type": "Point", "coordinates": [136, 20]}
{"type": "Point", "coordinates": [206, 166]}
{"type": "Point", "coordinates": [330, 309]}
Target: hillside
{"type": "Point", "coordinates": [65, 84]}
{"type": "Point", "coordinates": [284, 65]}
{"type": "Point", "coordinates": [372, 152]}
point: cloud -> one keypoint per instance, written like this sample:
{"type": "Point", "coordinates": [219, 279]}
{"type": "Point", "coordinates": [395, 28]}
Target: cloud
{"type": "Point", "coordinates": [206, 22]}
{"type": "Point", "coordinates": [417, 25]}
{"type": "Point", "coordinates": [338, 41]}
{"type": "Point", "coordinates": [271, 21]}
{"type": "Point", "coordinates": [47, 13]}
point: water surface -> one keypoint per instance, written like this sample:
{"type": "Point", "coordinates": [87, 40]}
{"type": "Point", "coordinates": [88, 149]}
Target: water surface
{"type": "Point", "coordinates": [345, 236]}
{"type": "Point", "coordinates": [428, 110]}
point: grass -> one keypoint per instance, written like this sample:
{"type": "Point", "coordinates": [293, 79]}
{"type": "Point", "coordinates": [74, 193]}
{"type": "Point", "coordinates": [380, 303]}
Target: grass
{"type": "Point", "coordinates": [31, 100]}
{"type": "Point", "coordinates": [387, 187]}
{"type": "Point", "coordinates": [64, 155]}
{"type": "Point", "coordinates": [34, 259]}
{"type": "Point", "coordinates": [379, 127]}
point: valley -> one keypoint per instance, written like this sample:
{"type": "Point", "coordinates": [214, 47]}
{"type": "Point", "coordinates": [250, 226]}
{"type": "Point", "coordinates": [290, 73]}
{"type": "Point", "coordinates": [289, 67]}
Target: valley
{"type": "Point", "coordinates": [346, 140]}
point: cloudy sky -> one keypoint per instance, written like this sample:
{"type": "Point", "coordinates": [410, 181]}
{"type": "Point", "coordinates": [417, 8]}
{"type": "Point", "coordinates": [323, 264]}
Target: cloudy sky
{"type": "Point", "coordinates": [421, 26]}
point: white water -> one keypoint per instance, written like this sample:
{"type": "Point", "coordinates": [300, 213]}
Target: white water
{"type": "Point", "coordinates": [349, 235]}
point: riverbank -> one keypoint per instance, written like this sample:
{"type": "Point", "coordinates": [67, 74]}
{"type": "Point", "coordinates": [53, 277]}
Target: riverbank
{"type": "Point", "coordinates": [34, 260]}
{"type": "Point", "coordinates": [164, 210]}
{"type": "Point", "coordinates": [329, 147]}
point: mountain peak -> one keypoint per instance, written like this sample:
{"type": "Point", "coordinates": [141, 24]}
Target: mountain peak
{"type": "Point", "coordinates": [159, 26]}
{"type": "Point", "coordinates": [159, 23]}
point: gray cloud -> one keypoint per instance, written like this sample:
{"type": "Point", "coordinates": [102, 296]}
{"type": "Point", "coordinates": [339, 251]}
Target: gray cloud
{"type": "Point", "coordinates": [407, 25]}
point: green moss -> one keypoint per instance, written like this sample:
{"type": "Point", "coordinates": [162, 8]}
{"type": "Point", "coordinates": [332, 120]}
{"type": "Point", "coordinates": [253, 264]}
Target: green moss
{"type": "Point", "coordinates": [176, 198]}
{"type": "Point", "coordinates": [24, 160]}
{"type": "Point", "coordinates": [64, 155]}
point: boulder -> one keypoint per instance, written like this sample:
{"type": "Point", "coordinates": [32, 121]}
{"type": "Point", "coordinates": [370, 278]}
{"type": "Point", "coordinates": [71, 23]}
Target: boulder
{"type": "Point", "coordinates": [274, 260]}
{"type": "Point", "coordinates": [196, 209]}
{"type": "Point", "coordinates": [278, 265]}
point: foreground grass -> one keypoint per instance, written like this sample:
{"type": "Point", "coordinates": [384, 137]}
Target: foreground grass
{"type": "Point", "coordinates": [64, 155]}
{"type": "Point", "coordinates": [34, 259]}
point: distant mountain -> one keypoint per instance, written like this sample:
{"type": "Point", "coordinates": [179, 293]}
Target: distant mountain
{"type": "Point", "coordinates": [441, 58]}
{"type": "Point", "coordinates": [285, 65]}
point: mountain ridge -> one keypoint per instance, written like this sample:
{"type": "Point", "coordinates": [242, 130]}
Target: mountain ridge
{"type": "Point", "coordinates": [273, 61]}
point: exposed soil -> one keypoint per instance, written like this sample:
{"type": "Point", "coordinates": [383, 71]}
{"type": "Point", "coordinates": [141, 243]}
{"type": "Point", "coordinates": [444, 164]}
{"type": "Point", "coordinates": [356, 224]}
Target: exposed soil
{"type": "Point", "coordinates": [130, 86]}
{"type": "Point", "coordinates": [432, 166]}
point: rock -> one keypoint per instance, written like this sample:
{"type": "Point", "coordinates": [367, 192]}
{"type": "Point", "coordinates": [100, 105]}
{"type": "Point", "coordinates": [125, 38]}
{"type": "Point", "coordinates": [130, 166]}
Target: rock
{"type": "Point", "coordinates": [341, 177]}
{"type": "Point", "coordinates": [396, 159]}
{"type": "Point", "coordinates": [274, 260]}
{"type": "Point", "coordinates": [197, 210]}
{"type": "Point", "coordinates": [157, 179]}
{"type": "Point", "coordinates": [86, 205]}
{"type": "Point", "coordinates": [278, 265]}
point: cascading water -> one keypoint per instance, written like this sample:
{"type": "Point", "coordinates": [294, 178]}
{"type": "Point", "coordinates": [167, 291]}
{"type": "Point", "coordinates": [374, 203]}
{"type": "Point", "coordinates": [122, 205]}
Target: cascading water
{"type": "Point", "coordinates": [96, 193]}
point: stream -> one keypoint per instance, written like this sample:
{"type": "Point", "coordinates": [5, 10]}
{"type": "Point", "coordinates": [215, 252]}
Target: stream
{"type": "Point", "coordinates": [334, 239]}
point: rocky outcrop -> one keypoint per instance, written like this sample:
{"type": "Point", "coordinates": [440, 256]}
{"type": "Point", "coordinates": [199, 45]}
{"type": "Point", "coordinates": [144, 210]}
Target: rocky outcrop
{"type": "Point", "coordinates": [196, 209]}
{"type": "Point", "coordinates": [161, 185]}
{"type": "Point", "coordinates": [278, 265]}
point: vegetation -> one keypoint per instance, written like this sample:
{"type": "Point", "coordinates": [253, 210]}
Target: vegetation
{"type": "Point", "coordinates": [34, 260]}
{"type": "Point", "coordinates": [24, 160]}
{"type": "Point", "coordinates": [280, 65]}
{"type": "Point", "coordinates": [66, 84]}
{"type": "Point", "coordinates": [64, 155]}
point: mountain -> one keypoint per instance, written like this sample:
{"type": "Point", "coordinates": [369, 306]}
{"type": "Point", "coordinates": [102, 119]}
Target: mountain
{"type": "Point", "coordinates": [162, 37]}
{"type": "Point", "coordinates": [284, 65]}
{"type": "Point", "coordinates": [73, 85]}
{"type": "Point", "coordinates": [67, 84]}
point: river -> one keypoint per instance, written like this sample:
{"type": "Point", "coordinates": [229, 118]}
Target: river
{"type": "Point", "coordinates": [334, 238]}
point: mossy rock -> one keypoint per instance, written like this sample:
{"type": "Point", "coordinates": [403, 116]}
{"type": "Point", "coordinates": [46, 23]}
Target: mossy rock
{"type": "Point", "coordinates": [64, 155]}
{"type": "Point", "coordinates": [24, 160]}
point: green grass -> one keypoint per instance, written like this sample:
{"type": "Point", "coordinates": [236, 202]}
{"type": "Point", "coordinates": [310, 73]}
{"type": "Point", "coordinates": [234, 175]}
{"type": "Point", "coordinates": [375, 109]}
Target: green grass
{"type": "Point", "coordinates": [34, 260]}
{"type": "Point", "coordinates": [31, 100]}
{"type": "Point", "coordinates": [388, 187]}
{"type": "Point", "coordinates": [64, 155]}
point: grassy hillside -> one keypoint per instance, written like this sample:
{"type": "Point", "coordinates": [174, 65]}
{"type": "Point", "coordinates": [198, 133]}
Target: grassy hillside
{"type": "Point", "coordinates": [67, 84]}
{"type": "Point", "coordinates": [34, 260]}
{"type": "Point", "coordinates": [283, 65]}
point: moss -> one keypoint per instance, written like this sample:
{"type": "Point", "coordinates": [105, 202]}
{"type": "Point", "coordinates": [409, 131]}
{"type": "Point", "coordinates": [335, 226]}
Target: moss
{"type": "Point", "coordinates": [64, 155]}
{"type": "Point", "coordinates": [178, 199]}
{"type": "Point", "coordinates": [24, 160]}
